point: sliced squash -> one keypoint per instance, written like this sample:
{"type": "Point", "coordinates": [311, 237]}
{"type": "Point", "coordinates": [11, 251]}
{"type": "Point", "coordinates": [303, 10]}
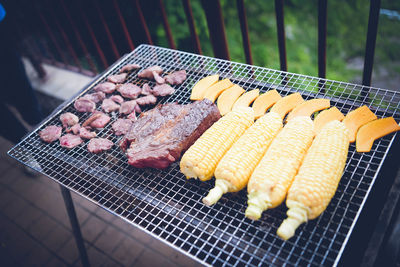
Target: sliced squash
{"type": "Point", "coordinates": [216, 89]}
{"type": "Point", "coordinates": [228, 98]}
{"type": "Point", "coordinates": [264, 102]}
{"type": "Point", "coordinates": [327, 116]}
{"type": "Point", "coordinates": [356, 118]}
{"type": "Point", "coordinates": [201, 86]}
{"type": "Point", "coordinates": [307, 108]}
{"type": "Point", "coordinates": [286, 104]}
{"type": "Point", "coordinates": [373, 130]}
{"type": "Point", "coordinates": [246, 99]}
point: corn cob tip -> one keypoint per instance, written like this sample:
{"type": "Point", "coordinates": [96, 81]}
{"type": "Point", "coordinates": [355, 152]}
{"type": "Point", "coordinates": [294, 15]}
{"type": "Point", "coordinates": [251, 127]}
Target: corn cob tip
{"type": "Point", "coordinates": [296, 216]}
{"type": "Point", "coordinates": [221, 187]}
{"type": "Point", "coordinates": [257, 203]}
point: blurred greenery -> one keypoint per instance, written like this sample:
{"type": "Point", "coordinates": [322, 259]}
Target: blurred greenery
{"type": "Point", "coordinates": [346, 31]}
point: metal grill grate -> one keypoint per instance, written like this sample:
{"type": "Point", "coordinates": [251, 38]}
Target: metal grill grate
{"type": "Point", "coordinates": [169, 207]}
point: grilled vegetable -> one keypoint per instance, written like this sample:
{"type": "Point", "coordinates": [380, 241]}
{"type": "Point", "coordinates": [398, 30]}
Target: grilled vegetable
{"type": "Point", "coordinates": [216, 89]}
{"type": "Point", "coordinates": [264, 102]}
{"type": "Point", "coordinates": [327, 116]}
{"type": "Point", "coordinates": [201, 159]}
{"type": "Point", "coordinates": [234, 169]}
{"type": "Point", "coordinates": [247, 98]}
{"type": "Point", "coordinates": [201, 86]}
{"type": "Point", "coordinates": [228, 98]}
{"type": "Point", "coordinates": [307, 108]}
{"type": "Point", "coordinates": [356, 118]}
{"type": "Point", "coordinates": [373, 130]}
{"type": "Point", "coordinates": [291, 101]}
{"type": "Point", "coordinates": [318, 177]}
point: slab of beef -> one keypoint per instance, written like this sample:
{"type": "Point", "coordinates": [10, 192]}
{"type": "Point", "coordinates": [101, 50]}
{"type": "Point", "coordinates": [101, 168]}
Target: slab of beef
{"type": "Point", "coordinates": [97, 145]}
{"type": "Point", "coordinates": [50, 133]}
{"type": "Point", "coordinates": [86, 134]}
{"type": "Point", "coordinates": [146, 100]}
{"type": "Point", "coordinates": [176, 77]}
{"type": "Point", "coordinates": [106, 87]}
{"type": "Point", "coordinates": [70, 140]}
{"type": "Point", "coordinates": [146, 89]}
{"type": "Point", "coordinates": [68, 119]}
{"type": "Point", "coordinates": [84, 105]}
{"type": "Point", "coordinates": [117, 99]}
{"type": "Point", "coordinates": [95, 97]}
{"type": "Point", "coordinates": [129, 90]}
{"type": "Point", "coordinates": [101, 121]}
{"type": "Point", "coordinates": [130, 67]}
{"type": "Point", "coordinates": [108, 105]}
{"type": "Point", "coordinates": [162, 134]}
{"type": "Point", "coordinates": [162, 90]}
{"type": "Point", "coordinates": [121, 126]}
{"type": "Point", "coordinates": [117, 78]}
{"type": "Point", "coordinates": [148, 73]}
{"type": "Point", "coordinates": [158, 78]}
{"type": "Point", "coordinates": [128, 107]}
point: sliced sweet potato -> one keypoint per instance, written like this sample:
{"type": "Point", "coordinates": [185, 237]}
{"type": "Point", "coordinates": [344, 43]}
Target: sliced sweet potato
{"type": "Point", "coordinates": [327, 116]}
{"type": "Point", "coordinates": [246, 99]}
{"type": "Point", "coordinates": [373, 130]}
{"type": "Point", "coordinates": [356, 118]}
{"type": "Point", "coordinates": [286, 104]}
{"type": "Point", "coordinates": [264, 101]}
{"type": "Point", "coordinates": [228, 98]}
{"type": "Point", "coordinates": [307, 108]}
{"type": "Point", "coordinates": [201, 86]}
{"type": "Point", "coordinates": [216, 89]}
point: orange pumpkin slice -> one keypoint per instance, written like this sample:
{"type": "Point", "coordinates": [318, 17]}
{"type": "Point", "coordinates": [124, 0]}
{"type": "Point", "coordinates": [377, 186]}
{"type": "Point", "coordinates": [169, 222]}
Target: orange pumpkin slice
{"type": "Point", "coordinates": [307, 108]}
{"type": "Point", "coordinates": [264, 102]}
{"type": "Point", "coordinates": [228, 98]}
{"type": "Point", "coordinates": [327, 116]}
{"type": "Point", "coordinates": [201, 86]}
{"type": "Point", "coordinates": [356, 118]}
{"type": "Point", "coordinates": [373, 130]}
{"type": "Point", "coordinates": [216, 89]}
{"type": "Point", "coordinates": [246, 99]}
{"type": "Point", "coordinates": [286, 104]}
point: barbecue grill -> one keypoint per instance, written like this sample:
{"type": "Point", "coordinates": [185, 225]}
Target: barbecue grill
{"type": "Point", "coordinates": [166, 205]}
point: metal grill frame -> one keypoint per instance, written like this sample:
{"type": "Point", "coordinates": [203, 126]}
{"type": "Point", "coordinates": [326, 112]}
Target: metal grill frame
{"type": "Point", "coordinates": [168, 207]}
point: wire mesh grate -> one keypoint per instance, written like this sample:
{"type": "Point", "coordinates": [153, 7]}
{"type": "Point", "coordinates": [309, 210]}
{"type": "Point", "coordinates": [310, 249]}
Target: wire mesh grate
{"type": "Point", "coordinates": [169, 207]}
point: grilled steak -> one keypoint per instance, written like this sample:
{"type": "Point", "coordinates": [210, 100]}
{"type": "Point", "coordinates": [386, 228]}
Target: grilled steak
{"type": "Point", "coordinates": [106, 87]}
{"type": "Point", "coordinates": [121, 126]}
{"type": "Point", "coordinates": [95, 97]}
{"type": "Point", "coordinates": [146, 100]}
{"type": "Point", "coordinates": [68, 119]}
{"type": "Point", "coordinates": [160, 135]}
{"type": "Point", "coordinates": [109, 105]}
{"type": "Point", "coordinates": [129, 67]}
{"type": "Point", "coordinates": [117, 99]}
{"type": "Point", "coordinates": [84, 105]}
{"type": "Point", "coordinates": [50, 134]}
{"type": "Point", "coordinates": [158, 78]}
{"type": "Point", "coordinates": [129, 90]}
{"type": "Point", "coordinates": [97, 145]}
{"type": "Point", "coordinates": [101, 121]}
{"type": "Point", "coordinates": [117, 78]}
{"type": "Point", "coordinates": [146, 89]}
{"type": "Point", "coordinates": [176, 77]}
{"type": "Point", "coordinates": [163, 90]}
{"type": "Point", "coordinates": [128, 107]}
{"type": "Point", "coordinates": [148, 73]}
{"type": "Point", "coordinates": [86, 134]}
{"type": "Point", "coordinates": [70, 140]}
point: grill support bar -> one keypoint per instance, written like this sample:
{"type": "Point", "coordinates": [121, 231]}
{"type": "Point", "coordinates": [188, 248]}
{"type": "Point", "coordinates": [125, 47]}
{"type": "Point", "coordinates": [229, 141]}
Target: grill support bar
{"type": "Point", "coordinates": [69, 206]}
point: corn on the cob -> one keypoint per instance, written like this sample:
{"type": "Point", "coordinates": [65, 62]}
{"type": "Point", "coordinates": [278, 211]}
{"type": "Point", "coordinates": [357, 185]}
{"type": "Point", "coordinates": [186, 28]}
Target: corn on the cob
{"type": "Point", "coordinates": [272, 177]}
{"type": "Point", "coordinates": [318, 177]}
{"type": "Point", "coordinates": [202, 157]}
{"type": "Point", "coordinates": [234, 169]}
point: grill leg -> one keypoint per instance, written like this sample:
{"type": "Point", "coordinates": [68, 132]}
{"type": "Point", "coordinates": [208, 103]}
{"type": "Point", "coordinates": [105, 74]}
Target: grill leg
{"type": "Point", "coordinates": [69, 205]}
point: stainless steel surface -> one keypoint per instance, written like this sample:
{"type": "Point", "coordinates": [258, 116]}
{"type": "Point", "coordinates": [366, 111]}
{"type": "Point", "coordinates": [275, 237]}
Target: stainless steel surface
{"type": "Point", "coordinates": [169, 207]}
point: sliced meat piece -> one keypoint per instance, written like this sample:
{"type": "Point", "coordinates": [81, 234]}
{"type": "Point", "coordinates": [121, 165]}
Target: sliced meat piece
{"type": "Point", "coordinates": [162, 134]}
{"type": "Point", "coordinates": [51, 133]}
{"type": "Point", "coordinates": [148, 73]}
{"type": "Point", "coordinates": [108, 105]}
{"type": "Point", "coordinates": [163, 90]}
{"type": "Point", "coordinates": [176, 77]}
{"type": "Point", "coordinates": [128, 107]}
{"type": "Point", "coordinates": [158, 78]}
{"type": "Point", "coordinates": [129, 90]}
{"type": "Point", "coordinates": [105, 87]}
{"type": "Point", "coordinates": [117, 78]}
{"type": "Point", "coordinates": [74, 129]}
{"type": "Point", "coordinates": [97, 145]}
{"type": "Point", "coordinates": [84, 105]}
{"type": "Point", "coordinates": [121, 126]}
{"type": "Point", "coordinates": [101, 121]}
{"type": "Point", "coordinates": [132, 116]}
{"type": "Point", "coordinates": [92, 118]}
{"type": "Point", "coordinates": [117, 99]}
{"type": "Point", "coordinates": [146, 89]}
{"type": "Point", "coordinates": [95, 97]}
{"type": "Point", "coordinates": [70, 140]}
{"type": "Point", "coordinates": [68, 119]}
{"type": "Point", "coordinates": [129, 67]}
{"type": "Point", "coordinates": [146, 100]}
{"type": "Point", "coordinates": [86, 134]}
